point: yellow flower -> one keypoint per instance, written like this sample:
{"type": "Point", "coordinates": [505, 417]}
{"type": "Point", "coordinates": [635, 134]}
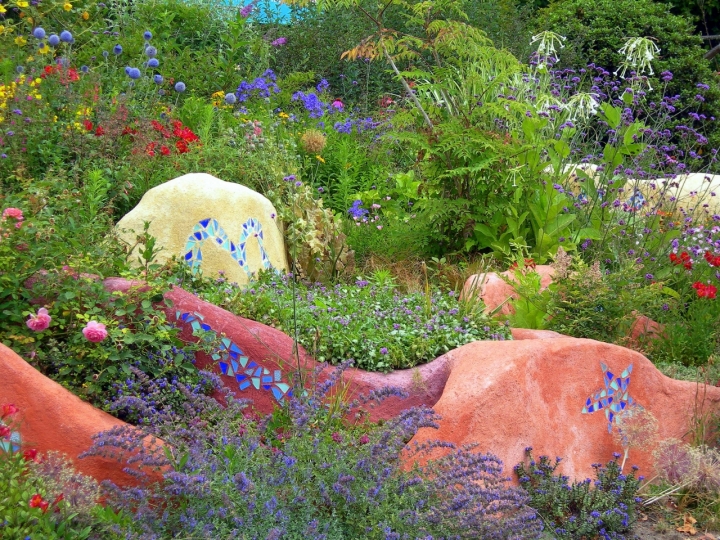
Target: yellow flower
{"type": "Point", "coordinates": [44, 49]}
{"type": "Point", "coordinates": [20, 41]}
{"type": "Point", "coordinates": [30, 59]}
{"type": "Point", "coordinates": [67, 6]}
{"type": "Point", "coordinates": [2, 10]}
{"type": "Point", "coordinates": [22, 4]}
{"type": "Point", "coordinates": [320, 159]}
{"type": "Point", "coordinates": [284, 115]}
{"type": "Point", "coordinates": [85, 15]}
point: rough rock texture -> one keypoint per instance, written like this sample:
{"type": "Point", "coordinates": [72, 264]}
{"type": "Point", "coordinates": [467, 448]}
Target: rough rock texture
{"type": "Point", "coordinates": [257, 362]}
{"type": "Point", "coordinates": [508, 395]}
{"type": "Point", "coordinates": [51, 418]}
{"type": "Point", "coordinates": [494, 291]}
{"type": "Point", "coordinates": [214, 225]}
{"type": "Point", "coordinates": [644, 328]}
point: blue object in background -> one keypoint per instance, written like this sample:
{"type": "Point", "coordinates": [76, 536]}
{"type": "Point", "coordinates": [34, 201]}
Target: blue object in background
{"type": "Point", "coordinates": [266, 11]}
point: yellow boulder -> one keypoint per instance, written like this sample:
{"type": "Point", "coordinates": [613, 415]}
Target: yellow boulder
{"type": "Point", "coordinates": [212, 225]}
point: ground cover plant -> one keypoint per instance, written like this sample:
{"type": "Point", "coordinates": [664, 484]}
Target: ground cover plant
{"type": "Point", "coordinates": [371, 321]}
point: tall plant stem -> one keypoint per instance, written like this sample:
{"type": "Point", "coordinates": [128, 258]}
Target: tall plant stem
{"type": "Point", "coordinates": [405, 84]}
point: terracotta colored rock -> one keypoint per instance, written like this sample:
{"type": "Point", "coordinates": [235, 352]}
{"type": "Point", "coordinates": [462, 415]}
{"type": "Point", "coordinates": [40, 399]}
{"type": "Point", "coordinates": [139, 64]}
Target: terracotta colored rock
{"type": "Point", "coordinates": [219, 226]}
{"type": "Point", "coordinates": [257, 362]}
{"type": "Point", "coordinates": [51, 418]}
{"type": "Point", "coordinates": [495, 292]}
{"type": "Point", "coordinates": [645, 328]}
{"type": "Point", "coordinates": [524, 333]}
{"type": "Point", "coordinates": [508, 395]}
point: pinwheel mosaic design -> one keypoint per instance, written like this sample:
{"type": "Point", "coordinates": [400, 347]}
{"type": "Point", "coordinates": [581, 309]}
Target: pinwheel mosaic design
{"type": "Point", "coordinates": [614, 398]}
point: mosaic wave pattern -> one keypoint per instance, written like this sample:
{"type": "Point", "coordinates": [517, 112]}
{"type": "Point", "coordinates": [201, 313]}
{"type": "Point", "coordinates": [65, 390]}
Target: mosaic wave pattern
{"type": "Point", "coordinates": [614, 398]}
{"type": "Point", "coordinates": [234, 363]}
{"type": "Point", "coordinates": [210, 229]}
{"type": "Point", "coordinates": [12, 444]}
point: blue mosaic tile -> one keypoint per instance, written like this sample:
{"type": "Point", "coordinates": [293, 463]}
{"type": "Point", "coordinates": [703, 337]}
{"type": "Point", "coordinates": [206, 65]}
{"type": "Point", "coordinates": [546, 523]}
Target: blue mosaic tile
{"type": "Point", "coordinates": [614, 398]}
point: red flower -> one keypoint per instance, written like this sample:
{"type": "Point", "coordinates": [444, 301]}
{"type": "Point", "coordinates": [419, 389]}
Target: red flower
{"type": "Point", "coordinates": [31, 454]}
{"type": "Point", "coordinates": [683, 259]}
{"type": "Point", "coordinates": [8, 410]}
{"type": "Point", "coordinates": [164, 150]}
{"type": "Point", "coordinates": [36, 501]}
{"type": "Point", "coordinates": [88, 125]}
{"type": "Point", "coordinates": [99, 131]}
{"type": "Point", "coordinates": [4, 432]}
{"type": "Point", "coordinates": [713, 260]}
{"type": "Point", "coordinates": [705, 291]}
{"type": "Point", "coordinates": [181, 146]}
{"type": "Point", "coordinates": [150, 149]}
{"type": "Point", "coordinates": [364, 439]}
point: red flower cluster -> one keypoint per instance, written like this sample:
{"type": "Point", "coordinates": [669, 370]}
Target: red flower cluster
{"type": "Point", "coordinates": [8, 410]}
{"type": "Point", "coordinates": [705, 291]}
{"type": "Point", "coordinates": [683, 259]}
{"type": "Point", "coordinates": [713, 260]}
{"type": "Point", "coordinates": [66, 75]}
{"type": "Point", "coordinates": [89, 127]}
{"type": "Point", "coordinates": [36, 501]}
{"type": "Point", "coordinates": [183, 136]}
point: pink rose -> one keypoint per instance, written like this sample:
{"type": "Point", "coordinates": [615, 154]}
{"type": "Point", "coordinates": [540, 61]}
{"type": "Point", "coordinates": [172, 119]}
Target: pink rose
{"type": "Point", "coordinates": [14, 213]}
{"type": "Point", "coordinates": [39, 322]}
{"type": "Point", "coordinates": [95, 332]}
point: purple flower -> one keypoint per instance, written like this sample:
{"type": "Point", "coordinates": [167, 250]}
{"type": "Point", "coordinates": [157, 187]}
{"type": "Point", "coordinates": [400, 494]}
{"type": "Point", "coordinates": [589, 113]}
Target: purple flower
{"type": "Point", "coordinates": [279, 42]}
{"type": "Point", "coordinates": [39, 33]}
{"type": "Point", "coordinates": [383, 350]}
{"type": "Point", "coordinates": [66, 37]}
{"type": "Point", "coordinates": [180, 86]}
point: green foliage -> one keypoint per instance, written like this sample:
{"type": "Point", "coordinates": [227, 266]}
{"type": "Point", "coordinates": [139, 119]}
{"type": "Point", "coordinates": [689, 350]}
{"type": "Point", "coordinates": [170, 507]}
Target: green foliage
{"type": "Point", "coordinates": [585, 509]}
{"type": "Point", "coordinates": [377, 327]}
{"type": "Point", "coordinates": [596, 303]}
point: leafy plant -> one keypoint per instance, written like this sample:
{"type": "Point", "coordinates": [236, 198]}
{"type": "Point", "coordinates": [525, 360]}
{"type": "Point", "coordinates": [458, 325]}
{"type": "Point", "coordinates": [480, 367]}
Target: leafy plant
{"type": "Point", "coordinates": [604, 508]}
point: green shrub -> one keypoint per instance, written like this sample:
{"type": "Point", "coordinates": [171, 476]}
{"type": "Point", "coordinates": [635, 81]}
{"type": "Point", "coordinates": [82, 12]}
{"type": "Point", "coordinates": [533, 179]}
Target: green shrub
{"type": "Point", "coordinates": [604, 508]}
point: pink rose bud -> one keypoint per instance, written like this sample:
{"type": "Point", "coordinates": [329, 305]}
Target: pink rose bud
{"type": "Point", "coordinates": [39, 322]}
{"type": "Point", "coordinates": [95, 332]}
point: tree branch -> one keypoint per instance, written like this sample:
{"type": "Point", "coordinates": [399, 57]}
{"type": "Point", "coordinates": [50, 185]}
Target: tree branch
{"type": "Point", "coordinates": [414, 98]}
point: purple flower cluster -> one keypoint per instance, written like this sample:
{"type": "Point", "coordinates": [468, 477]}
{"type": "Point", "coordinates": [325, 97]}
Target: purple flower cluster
{"type": "Point", "coordinates": [305, 470]}
{"type": "Point", "coordinates": [262, 87]}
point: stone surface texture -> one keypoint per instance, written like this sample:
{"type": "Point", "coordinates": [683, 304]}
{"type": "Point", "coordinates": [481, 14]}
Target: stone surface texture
{"type": "Point", "coordinates": [51, 418]}
{"type": "Point", "coordinates": [494, 291]}
{"type": "Point", "coordinates": [509, 395]}
{"type": "Point", "coordinates": [176, 208]}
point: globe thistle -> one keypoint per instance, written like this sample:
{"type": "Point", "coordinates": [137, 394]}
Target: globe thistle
{"type": "Point", "coordinates": [230, 98]}
{"type": "Point", "coordinates": [19, 69]}
{"type": "Point", "coordinates": [39, 33]}
{"type": "Point", "coordinates": [54, 40]}
{"type": "Point", "coordinates": [84, 69]}
{"type": "Point", "coordinates": [117, 49]}
{"type": "Point", "coordinates": [150, 51]}
{"type": "Point", "coordinates": [180, 86]}
{"type": "Point", "coordinates": [66, 36]}
{"type": "Point", "coordinates": [134, 73]}
{"type": "Point", "coordinates": [313, 141]}
{"type": "Point", "coordinates": [147, 35]}
{"type": "Point", "coordinates": [153, 63]}
{"type": "Point", "coordinates": [158, 79]}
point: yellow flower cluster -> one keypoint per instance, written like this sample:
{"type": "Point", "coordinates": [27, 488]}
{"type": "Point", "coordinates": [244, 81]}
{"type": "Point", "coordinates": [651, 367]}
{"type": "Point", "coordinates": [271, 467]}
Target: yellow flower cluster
{"type": "Point", "coordinates": [8, 92]}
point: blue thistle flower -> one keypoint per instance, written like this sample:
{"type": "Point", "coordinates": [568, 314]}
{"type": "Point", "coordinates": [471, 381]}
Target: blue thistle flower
{"type": "Point", "coordinates": [134, 73]}
{"type": "Point", "coordinates": [180, 86]}
{"type": "Point", "coordinates": [150, 51]}
{"type": "Point", "coordinates": [66, 36]}
{"type": "Point", "coordinates": [147, 35]}
{"type": "Point", "coordinates": [54, 40]}
{"type": "Point", "coordinates": [153, 63]}
{"type": "Point", "coordinates": [117, 49]}
{"type": "Point", "coordinates": [158, 79]}
{"type": "Point", "coordinates": [39, 33]}
{"type": "Point", "coordinates": [230, 98]}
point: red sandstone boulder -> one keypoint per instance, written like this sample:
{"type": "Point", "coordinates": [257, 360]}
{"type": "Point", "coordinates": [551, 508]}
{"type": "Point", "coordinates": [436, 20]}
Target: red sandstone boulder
{"type": "Point", "coordinates": [257, 362]}
{"type": "Point", "coordinates": [51, 418]}
{"type": "Point", "coordinates": [494, 291]}
{"type": "Point", "coordinates": [508, 395]}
